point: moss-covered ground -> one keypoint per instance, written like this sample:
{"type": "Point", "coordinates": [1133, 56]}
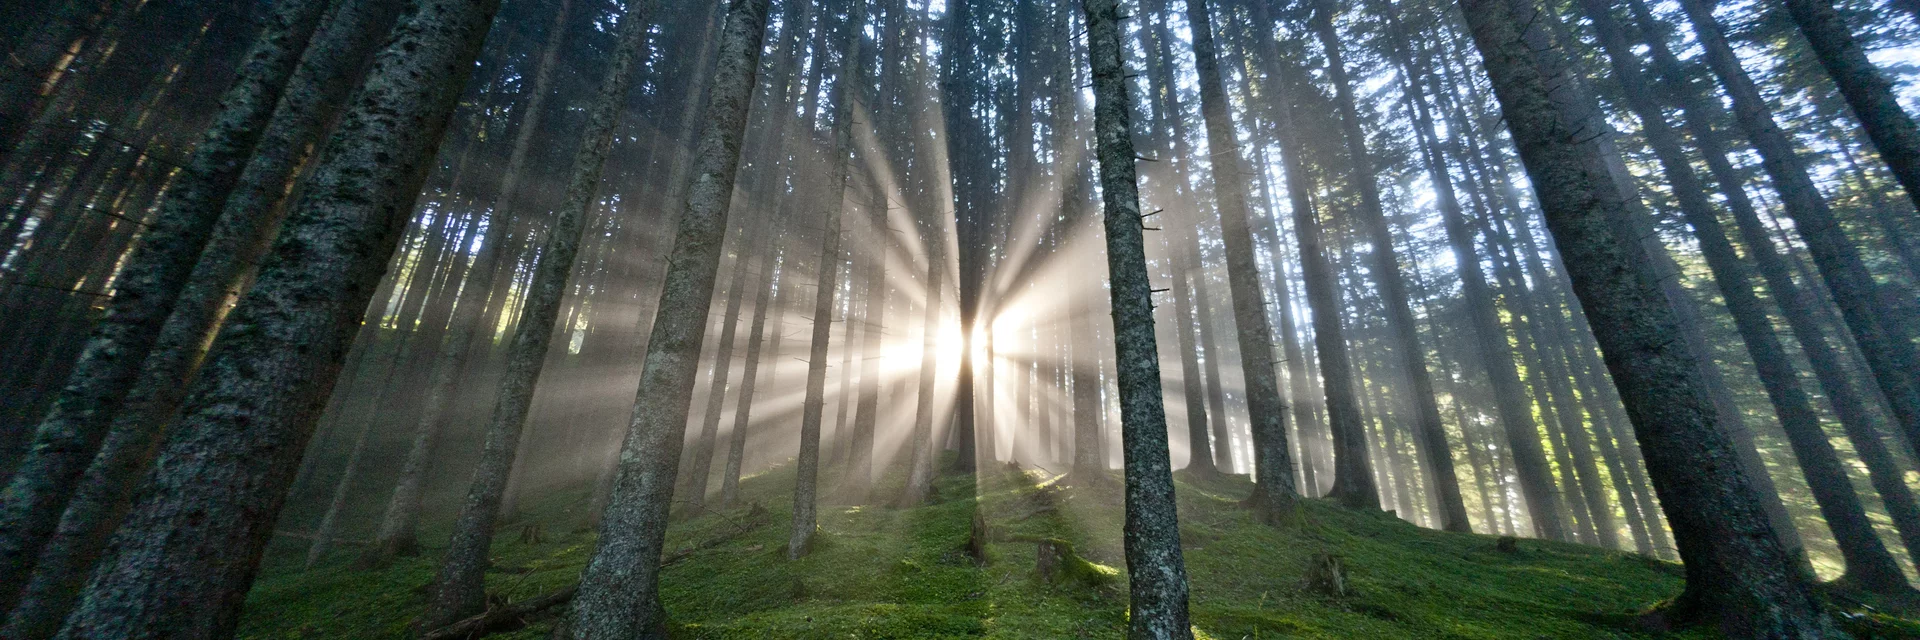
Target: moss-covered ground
{"type": "Point", "coordinates": [882, 572]}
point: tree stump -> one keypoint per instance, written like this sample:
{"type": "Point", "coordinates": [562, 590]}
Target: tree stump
{"type": "Point", "coordinates": [1052, 559]}
{"type": "Point", "coordinates": [977, 539]}
{"type": "Point", "coordinates": [1327, 575]}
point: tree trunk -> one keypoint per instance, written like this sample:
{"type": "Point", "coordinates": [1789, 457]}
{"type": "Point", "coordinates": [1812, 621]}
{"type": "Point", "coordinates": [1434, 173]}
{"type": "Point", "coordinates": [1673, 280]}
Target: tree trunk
{"type": "Point", "coordinates": [182, 563]}
{"type": "Point", "coordinates": [1274, 492]}
{"type": "Point", "coordinates": [619, 589]}
{"type": "Point", "coordinates": [1738, 575]}
{"type": "Point", "coordinates": [847, 101]}
{"type": "Point", "coordinates": [145, 293]}
{"type": "Point", "coordinates": [1157, 584]}
{"type": "Point", "coordinates": [459, 590]}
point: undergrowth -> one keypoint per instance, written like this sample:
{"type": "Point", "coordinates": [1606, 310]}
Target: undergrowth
{"type": "Point", "coordinates": [882, 572]}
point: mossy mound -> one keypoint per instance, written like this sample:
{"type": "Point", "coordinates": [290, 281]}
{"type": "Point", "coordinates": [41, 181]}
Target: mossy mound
{"type": "Point", "coordinates": [882, 572]}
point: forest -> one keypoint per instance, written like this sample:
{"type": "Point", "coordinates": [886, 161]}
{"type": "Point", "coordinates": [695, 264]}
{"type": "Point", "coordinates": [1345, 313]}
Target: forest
{"type": "Point", "coordinates": [1155, 319]}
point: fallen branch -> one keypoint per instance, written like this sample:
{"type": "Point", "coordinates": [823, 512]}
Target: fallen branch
{"type": "Point", "coordinates": [302, 535]}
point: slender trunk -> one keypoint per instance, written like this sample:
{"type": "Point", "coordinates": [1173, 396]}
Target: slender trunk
{"type": "Point", "coordinates": [1274, 491]}
{"type": "Point", "coordinates": [847, 101]}
{"type": "Point", "coordinates": [619, 590]}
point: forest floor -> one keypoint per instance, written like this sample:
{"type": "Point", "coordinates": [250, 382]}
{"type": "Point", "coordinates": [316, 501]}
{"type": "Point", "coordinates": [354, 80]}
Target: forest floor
{"type": "Point", "coordinates": [881, 572]}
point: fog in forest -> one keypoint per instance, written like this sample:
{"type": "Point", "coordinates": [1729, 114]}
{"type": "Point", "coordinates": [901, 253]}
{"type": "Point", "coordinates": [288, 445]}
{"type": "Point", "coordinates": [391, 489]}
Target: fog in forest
{"type": "Point", "coordinates": [1211, 318]}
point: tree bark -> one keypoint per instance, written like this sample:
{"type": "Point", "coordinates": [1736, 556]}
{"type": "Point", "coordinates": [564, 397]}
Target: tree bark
{"type": "Point", "coordinates": [182, 563]}
{"type": "Point", "coordinates": [145, 293]}
{"type": "Point", "coordinates": [619, 590]}
{"type": "Point", "coordinates": [1157, 584]}
{"type": "Point", "coordinates": [1738, 575]}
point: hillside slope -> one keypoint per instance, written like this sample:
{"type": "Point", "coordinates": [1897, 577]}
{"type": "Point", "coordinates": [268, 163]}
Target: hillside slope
{"type": "Point", "coordinates": [904, 573]}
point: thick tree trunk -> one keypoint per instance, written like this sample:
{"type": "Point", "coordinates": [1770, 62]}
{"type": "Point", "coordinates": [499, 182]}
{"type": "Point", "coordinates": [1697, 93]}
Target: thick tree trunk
{"type": "Point", "coordinates": [1868, 564]}
{"type": "Point", "coordinates": [181, 564]}
{"type": "Point", "coordinates": [1157, 585]}
{"type": "Point", "coordinates": [145, 293]}
{"type": "Point", "coordinates": [1274, 491]}
{"type": "Point", "coordinates": [313, 97]}
{"type": "Point", "coordinates": [619, 590]}
{"type": "Point", "coordinates": [1738, 575]}
{"type": "Point", "coordinates": [459, 591]}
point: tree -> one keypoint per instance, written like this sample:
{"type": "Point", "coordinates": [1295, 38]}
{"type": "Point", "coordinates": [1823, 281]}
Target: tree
{"type": "Point", "coordinates": [1866, 88]}
{"type": "Point", "coordinates": [459, 590]}
{"type": "Point", "coordinates": [1157, 573]}
{"type": "Point", "coordinates": [66, 441]}
{"type": "Point", "coordinates": [181, 564]}
{"type": "Point", "coordinates": [846, 102]}
{"type": "Point", "coordinates": [1738, 576]}
{"type": "Point", "coordinates": [619, 590]}
{"type": "Point", "coordinates": [1274, 491]}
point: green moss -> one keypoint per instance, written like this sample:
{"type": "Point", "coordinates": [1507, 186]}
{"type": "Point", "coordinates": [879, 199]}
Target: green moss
{"type": "Point", "coordinates": [881, 572]}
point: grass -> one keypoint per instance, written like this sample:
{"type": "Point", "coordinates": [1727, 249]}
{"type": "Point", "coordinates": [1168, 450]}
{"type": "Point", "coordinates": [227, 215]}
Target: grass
{"type": "Point", "coordinates": [880, 572]}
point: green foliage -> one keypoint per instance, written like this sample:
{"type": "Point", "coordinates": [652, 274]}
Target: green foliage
{"type": "Point", "coordinates": [889, 573]}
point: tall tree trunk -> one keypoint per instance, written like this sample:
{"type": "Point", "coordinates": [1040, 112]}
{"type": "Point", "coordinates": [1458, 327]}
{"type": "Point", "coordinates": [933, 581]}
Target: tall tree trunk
{"type": "Point", "coordinates": [1430, 436]}
{"type": "Point", "coordinates": [1274, 492]}
{"type": "Point", "coordinates": [1867, 89]}
{"type": "Point", "coordinates": [459, 590]}
{"type": "Point", "coordinates": [619, 593]}
{"type": "Point", "coordinates": [1868, 564]}
{"type": "Point", "coordinates": [1883, 340]}
{"type": "Point", "coordinates": [1157, 584]}
{"type": "Point", "coordinates": [1738, 575]}
{"type": "Point", "coordinates": [145, 293]}
{"type": "Point", "coordinates": [1353, 476]}
{"type": "Point", "coordinates": [847, 101]}
{"type": "Point", "coordinates": [182, 562]}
